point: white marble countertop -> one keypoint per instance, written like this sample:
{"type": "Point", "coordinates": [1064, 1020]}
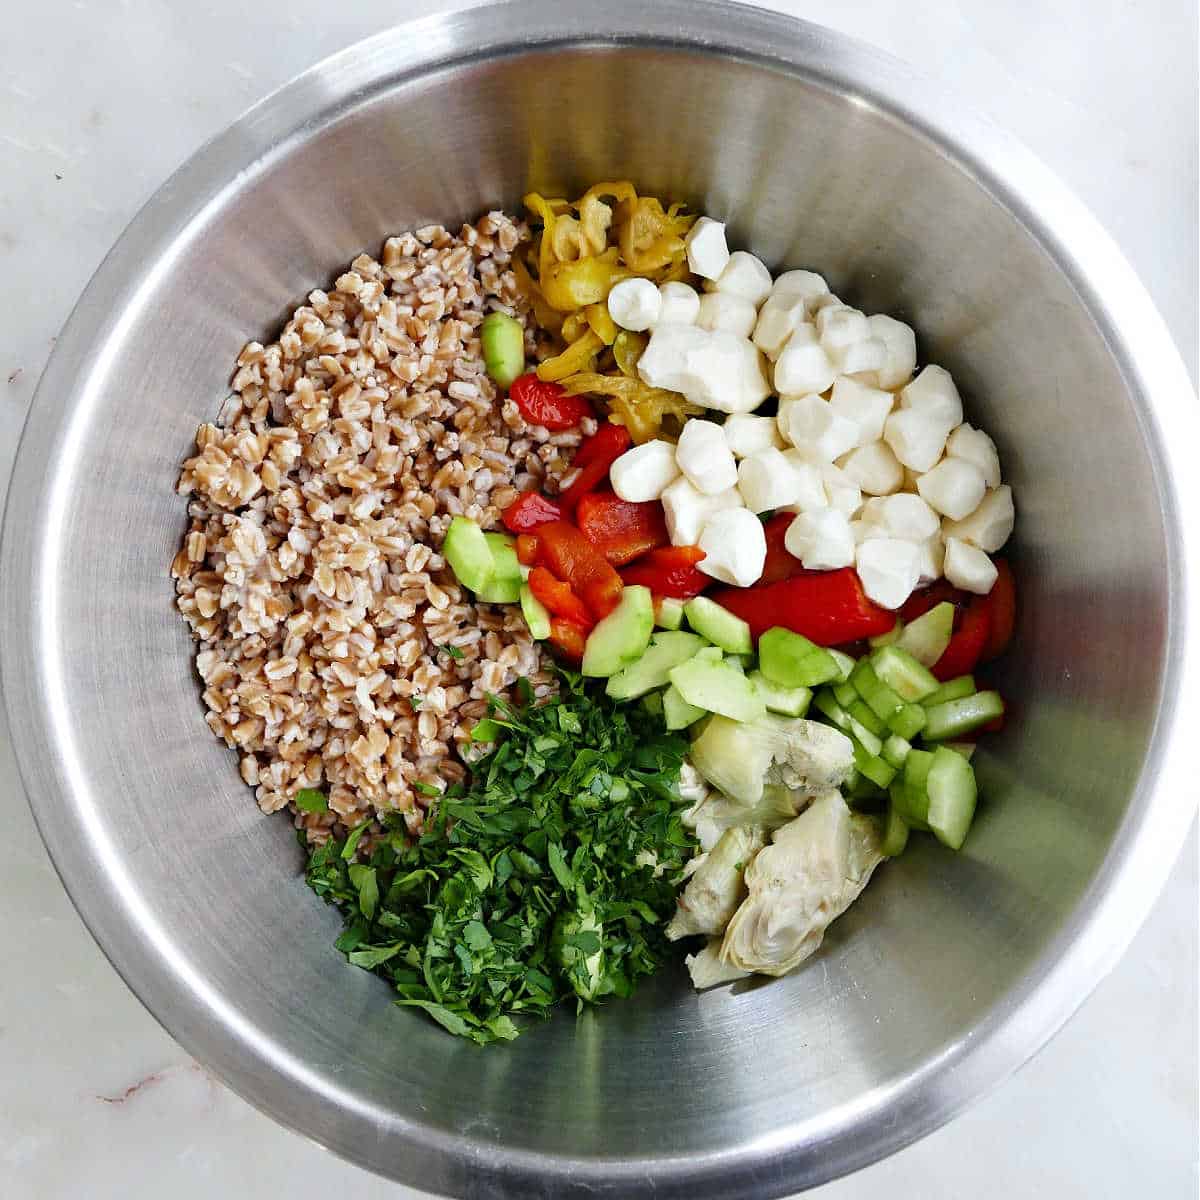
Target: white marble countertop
{"type": "Point", "coordinates": [99, 102]}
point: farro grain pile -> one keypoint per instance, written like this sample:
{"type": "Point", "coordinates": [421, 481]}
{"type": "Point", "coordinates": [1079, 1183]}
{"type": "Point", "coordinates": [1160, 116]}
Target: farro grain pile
{"type": "Point", "coordinates": [335, 647]}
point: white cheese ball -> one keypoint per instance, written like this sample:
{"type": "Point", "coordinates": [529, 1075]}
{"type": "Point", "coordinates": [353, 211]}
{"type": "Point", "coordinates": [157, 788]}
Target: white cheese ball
{"type": "Point", "coordinates": [778, 319]}
{"type": "Point", "coordinates": [744, 275]}
{"type": "Point", "coordinates": [954, 488]}
{"type": "Point", "coordinates": [767, 480]}
{"type": "Point", "coordinates": [734, 546]}
{"type": "Point", "coordinates": [807, 286]}
{"type": "Point", "coordinates": [724, 310]}
{"type": "Point", "coordinates": [747, 434]}
{"type": "Point", "coordinates": [802, 366]}
{"type": "Point", "coordinates": [680, 304]}
{"type": "Point", "coordinates": [822, 540]}
{"type": "Point", "coordinates": [902, 516]}
{"type": "Point", "coordinates": [866, 406]}
{"type": "Point", "coordinates": [967, 567]}
{"type": "Point", "coordinates": [889, 569]}
{"type": "Point", "coordinates": [812, 494]}
{"type": "Point", "coordinates": [900, 345]}
{"type": "Point", "coordinates": [686, 509]}
{"type": "Point", "coordinates": [976, 447]}
{"type": "Point", "coordinates": [634, 304]}
{"type": "Point", "coordinates": [644, 472]}
{"type": "Point", "coordinates": [934, 394]}
{"type": "Point", "coordinates": [707, 251]}
{"type": "Point", "coordinates": [916, 438]}
{"type": "Point", "coordinates": [874, 468]}
{"type": "Point", "coordinates": [990, 525]}
{"type": "Point", "coordinates": [705, 458]}
{"type": "Point", "coordinates": [815, 429]}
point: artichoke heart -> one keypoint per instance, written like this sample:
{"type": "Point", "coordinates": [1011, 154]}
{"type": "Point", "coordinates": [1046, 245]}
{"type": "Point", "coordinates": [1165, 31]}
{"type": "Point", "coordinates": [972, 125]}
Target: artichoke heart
{"type": "Point", "coordinates": [814, 869]}
{"type": "Point", "coordinates": [715, 888]}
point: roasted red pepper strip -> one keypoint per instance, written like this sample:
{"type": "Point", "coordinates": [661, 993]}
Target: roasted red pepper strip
{"type": "Point", "coordinates": [569, 639]}
{"type": "Point", "coordinates": [545, 403]}
{"type": "Point", "coordinates": [569, 556]}
{"type": "Point", "coordinates": [962, 655]}
{"type": "Point", "coordinates": [527, 549]}
{"type": "Point", "coordinates": [528, 511]}
{"type": "Point", "coordinates": [1002, 609]}
{"type": "Point", "coordinates": [593, 459]}
{"type": "Point", "coordinates": [558, 598]}
{"type": "Point", "coordinates": [621, 530]}
{"type": "Point", "coordinates": [670, 571]}
{"type": "Point", "coordinates": [827, 607]}
{"type": "Point", "coordinates": [779, 563]}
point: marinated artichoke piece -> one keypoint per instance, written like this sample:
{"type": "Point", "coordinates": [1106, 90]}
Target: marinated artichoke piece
{"type": "Point", "coordinates": [715, 889]}
{"type": "Point", "coordinates": [739, 758]}
{"type": "Point", "coordinates": [707, 970]}
{"type": "Point", "coordinates": [814, 869]}
{"type": "Point", "coordinates": [716, 813]}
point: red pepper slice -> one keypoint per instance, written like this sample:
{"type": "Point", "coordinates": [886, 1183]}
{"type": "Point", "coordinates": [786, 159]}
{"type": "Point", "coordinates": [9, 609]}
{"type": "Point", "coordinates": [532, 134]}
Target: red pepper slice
{"type": "Point", "coordinates": [1002, 608]}
{"type": "Point", "coordinates": [568, 638]}
{"type": "Point", "coordinates": [593, 459]}
{"type": "Point", "coordinates": [779, 563]}
{"type": "Point", "coordinates": [528, 511]}
{"type": "Point", "coordinates": [544, 403]}
{"type": "Point", "coordinates": [569, 556]}
{"type": "Point", "coordinates": [558, 598]}
{"type": "Point", "coordinates": [961, 656]}
{"type": "Point", "coordinates": [528, 546]}
{"type": "Point", "coordinates": [827, 607]}
{"type": "Point", "coordinates": [621, 530]}
{"type": "Point", "coordinates": [670, 571]}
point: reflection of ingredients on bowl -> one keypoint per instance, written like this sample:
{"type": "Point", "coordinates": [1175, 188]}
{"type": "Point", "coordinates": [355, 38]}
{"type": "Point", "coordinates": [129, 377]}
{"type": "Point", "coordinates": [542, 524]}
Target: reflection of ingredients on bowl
{"type": "Point", "coordinates": [698, 443]}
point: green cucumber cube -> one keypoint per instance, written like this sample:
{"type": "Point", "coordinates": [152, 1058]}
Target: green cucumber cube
{"type": "Point", "coordinates": [880, 698]}
{"type": "Point", "coordinates": [908, 721]}
{"type": "Point", "coordinates": [718, 688]}
{"type": "Point", "coordinates": [791, 660]}
{"type": "Point", "coordinates": [652, 702]}
{"type": "Point", "coordinates": [504, 584]}
{"type": "Point", "coordinates": [622, 637]}
{"type": "Point", "coordinates": [845, 664]}
{"type": "Point", "coordinates": [719, 625]}
{"type": "Point", "coordinates": [927, 637]}
{"type": "Point", "coordinates": [860, 712]}
{"type": "Point", "coordinates": [952, 719]}
{"type": "Point", "coordinates": [952, 689]}
{"type": "Point", "coordinates": [886, 639]}
{"type": "Point", "coordinates": [895, 832]}
{"type": "Point", "coordinates": [467, 551]}
{"type": "Point", "coordinates": [903, 674]}
{"type": "Point", "coordinates": [895, 750]}
{"type": "Point", "coordinates": [667, 649]}
{"type": "Point", "coordinates": [677, 712]}
{"type": "Point", "coordinates": [668, 613]}
{"type": "Point", "coordinates": [872, 767]}
{"type": "Point", "coordinates": [950, 785]}
{"type": "Point", "coordinates": [536, 615]}
{"type": "Point", "coordinates": [791, 702]}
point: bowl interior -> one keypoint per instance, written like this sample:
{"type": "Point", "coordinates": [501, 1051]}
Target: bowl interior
{"type": "Point", "coordinates": [808, 173]}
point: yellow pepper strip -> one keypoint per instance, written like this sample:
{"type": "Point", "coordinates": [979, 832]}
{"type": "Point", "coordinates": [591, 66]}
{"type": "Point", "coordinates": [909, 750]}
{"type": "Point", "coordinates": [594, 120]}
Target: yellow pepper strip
{"type": "Point", "coordinates": [576, 357]}
{"type": "Point", "coordinates": [627, 349]}
{"type": "Point", "coordinates": [595, 220]}
{"type": "Point", "coordinates": [575, 326]}
{"type": "Point", "coordinates": [568, 241]}
{"type": "Point", "coordinates": [640, 408]}
{"type": "Point", "coordinates": [644, 235]}
{"type": "Point", "coordinates": [602, 325]}
{"type": "Point", "coordinates": [572, 285]}
{"type": "Point", "coordinates": [540, 207]}
{"type": "Point", "coordinates": [619, 190]}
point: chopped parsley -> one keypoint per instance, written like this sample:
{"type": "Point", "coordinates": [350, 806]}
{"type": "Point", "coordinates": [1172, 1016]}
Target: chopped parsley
{"type": "Point", "coordinates": [455, 652]}
{"type": "Point", "coordinates": [309, 800]}
{"type": "Point", "coordinates": [550, 876]}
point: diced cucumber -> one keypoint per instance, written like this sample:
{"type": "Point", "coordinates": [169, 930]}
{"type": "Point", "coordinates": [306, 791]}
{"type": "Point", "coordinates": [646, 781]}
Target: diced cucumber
{"type": "Point", "coordinates": [665, 651]}
{"type": "Point", "coordinates": [927, 637]}
{"type": "Point", "coordinates": [652, 702]}
{"type": "Point", "coordinates": [895, 750]}
{"type": "Point", "coordinates": [735, 662]}
{"type": "Point", "coordinates": [503, 341]}
{"type": "Point", "coordinates": [861, 791]}
{"type": "Point", "coordinates": [872, 767]}
{"type": "Point", "coordinates": [791, 660]}
{"type": "Point", "coordinates": [860, 712]}
{"type": "Point", "coordinates": [915, 797]}
{"type": "Point", "coordinates": [899, 794]}
{"type": "Point", "coordinates": [845, 664]}
{"type": "Point", "coordinates": [718, 688]}
{"type": "Point", "coordinates": [536, 615]}
{"type": "Point", "coordinates": [841, 719]}
{"type": "Point", "coordinates": [966, 749]}
{"type": "Point", "coordinates": [895, 833]}
{"type": "Point", "coordinates": [908, 721]}
{"type": "Point", "coordinates": [719, 625]}
{"type": "Point", "coordinates": [882, 701]}
{"type": "Point", "coordinates": [504, 584]}
{"type": "Point", "coordinates": [952, 689]}
{"type": "Point", "coordinates": [677, 712]}
{"type": "Point", "coordinates": [668, 613]}
{"type": "Point", "coordinates": [844, 694]}
{"type": "Point", "coordinates": [622, 637]}
{"type": "Point", "coordinates": [903, 674]}
{"type": "Point", "coordinates": [466, 550]}
{"type": "Point", "coordinates": [886, 639]}
{"type": "Point", "coordinates": [953, 718]}
{"type": "Point", "coordinates": [951, 788]}
{"type": "Point", "coordinates": [791, 702]}
{"type": "Point", "coordinates": [712, 654]}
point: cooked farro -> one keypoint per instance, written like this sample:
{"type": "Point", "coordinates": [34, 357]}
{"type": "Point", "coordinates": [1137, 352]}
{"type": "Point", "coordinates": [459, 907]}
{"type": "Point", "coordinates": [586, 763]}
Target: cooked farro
{"type": "Point", "coordinates": [310, 573]}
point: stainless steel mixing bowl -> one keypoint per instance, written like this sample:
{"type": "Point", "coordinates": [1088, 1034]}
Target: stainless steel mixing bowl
{"type": "Point", "coordinates": [952, 969]}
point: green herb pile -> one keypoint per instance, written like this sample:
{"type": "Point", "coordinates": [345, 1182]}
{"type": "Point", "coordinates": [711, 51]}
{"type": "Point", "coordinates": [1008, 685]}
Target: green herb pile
{"type": "Point", "coordinates": [550, 876]}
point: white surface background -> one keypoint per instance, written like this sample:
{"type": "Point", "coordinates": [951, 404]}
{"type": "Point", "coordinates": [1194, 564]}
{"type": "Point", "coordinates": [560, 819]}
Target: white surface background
{"type": "Point", "coordinates": [98, 103]}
